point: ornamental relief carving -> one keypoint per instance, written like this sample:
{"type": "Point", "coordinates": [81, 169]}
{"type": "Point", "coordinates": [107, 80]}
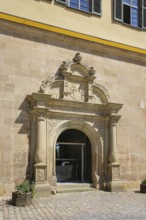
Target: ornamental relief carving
{"type": "Point", "coordinates": [40, 175]}
{"type": "Point", "coordinates": [46, 82]}
{"type": "Point", "coordinates": [52, 123]}
{"type": "Point", "coordinates": [116, 173]}
{"type": "Point", "coordinates": [75, 81]}
{"type": "Point", "coordinates": [100, 86]}
{"type": "Point", "coordinates": [94, 99]}
{"type": "Point", "coordinates": [75, 91]}
{"type": "Point", "coordinates": [41, 116]}
{"type": "Point", "coordinates": [55, 93]}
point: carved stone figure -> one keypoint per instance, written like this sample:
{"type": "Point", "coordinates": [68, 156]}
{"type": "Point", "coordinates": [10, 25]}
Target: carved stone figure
{"type": "Point", "coordinates": [77, 58]}
{"type": "Point", "coordinates": [63, 67]}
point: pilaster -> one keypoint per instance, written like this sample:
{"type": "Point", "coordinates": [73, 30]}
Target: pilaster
{"type": "Point", "coordinates": [42, 187]}
{"type": "Point", "coordinates": [113, 168]}
{"type": "Point", "coordinates": [40, 155]}
{"type": "Point", "coordinates": [113, 139]}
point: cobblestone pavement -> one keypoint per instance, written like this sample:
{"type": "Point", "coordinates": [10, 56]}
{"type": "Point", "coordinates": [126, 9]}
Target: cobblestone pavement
{"type": "Point", "coordinates": [79, 206]}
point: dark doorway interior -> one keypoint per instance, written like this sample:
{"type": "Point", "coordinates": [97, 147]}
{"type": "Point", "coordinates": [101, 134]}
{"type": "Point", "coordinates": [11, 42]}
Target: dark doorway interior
{"type": "Point", "coordinates": [73, 157]}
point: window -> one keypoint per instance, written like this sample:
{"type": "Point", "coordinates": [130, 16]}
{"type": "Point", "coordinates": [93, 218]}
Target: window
{"type": "Point", "coordinates": [90, 6]}
{"type": "Point", "coordinates": [132, 12]}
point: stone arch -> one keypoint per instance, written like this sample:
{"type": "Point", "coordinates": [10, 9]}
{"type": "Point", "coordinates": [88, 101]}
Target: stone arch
{"type": "Point", "coordinates": [95, 140]}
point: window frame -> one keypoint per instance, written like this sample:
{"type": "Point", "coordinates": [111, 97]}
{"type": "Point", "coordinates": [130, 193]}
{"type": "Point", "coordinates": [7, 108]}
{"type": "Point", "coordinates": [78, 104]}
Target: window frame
{"type": "Point", "coordinates": [91, 6]}
{"type": "Point", "coordinates": [141, 12]}
{"type": "Point", "coordinates": [79, 5]}
{"type": "Point", "coordinates": [115, 11]}
{"type": "Point", "coordinates": [143, 8]}
{"type": "Point", "coordinates": [131, 6]}
{"type": "Point", "coordinates": [92, 11]}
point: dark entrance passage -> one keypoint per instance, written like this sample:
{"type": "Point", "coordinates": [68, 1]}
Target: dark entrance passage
{"type": "Point", "coordinates": [73, 157]}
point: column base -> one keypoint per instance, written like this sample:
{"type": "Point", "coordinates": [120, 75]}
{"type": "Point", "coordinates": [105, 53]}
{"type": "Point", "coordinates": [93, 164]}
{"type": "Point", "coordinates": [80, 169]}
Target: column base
{"type": "Point", "coordinates": [42, 190]}
{"type": "Point", "coordinates": [114, 184]}
{"type": "Point", "coordinates": [52, 180]}
{"type": "Point", "coordinates": [96, 178]}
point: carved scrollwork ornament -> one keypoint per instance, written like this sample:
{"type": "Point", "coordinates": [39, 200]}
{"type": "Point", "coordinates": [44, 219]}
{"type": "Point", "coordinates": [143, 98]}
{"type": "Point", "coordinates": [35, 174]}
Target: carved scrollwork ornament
{"type": "Point", "coordinates": [43, 86]}
{"type": "Point", "coordinates": [41, 116]}
{"type": "Point", "coordinates": [52, 123]}
{"type": "Point", "coordinates": [51, 78]}
{"type": "Point", "coordinates": [102, 88]}
{"type": "Point", "coordinates": [113, 121]}
{"type": "Point", "coordinates": [45, 83]}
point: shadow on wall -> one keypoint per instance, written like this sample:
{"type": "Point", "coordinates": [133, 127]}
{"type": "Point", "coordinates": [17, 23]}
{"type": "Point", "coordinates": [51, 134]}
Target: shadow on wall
{"type": "Point", "coordinates": [27, 150]}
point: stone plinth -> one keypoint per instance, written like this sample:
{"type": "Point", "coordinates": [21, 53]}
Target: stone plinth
{"type": "Point", "coordinates": [114, 184]}
{"type": "Point", "coordinates": [40, 172]}
{"type": "Point", "coordinates": [42, 188]}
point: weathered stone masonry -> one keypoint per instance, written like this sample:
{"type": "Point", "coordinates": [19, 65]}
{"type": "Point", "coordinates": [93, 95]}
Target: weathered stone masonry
{"type": "Point", "coordinates": [29, 56]}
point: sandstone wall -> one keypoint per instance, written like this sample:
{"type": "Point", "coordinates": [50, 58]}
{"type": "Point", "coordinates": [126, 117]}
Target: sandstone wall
{"type": "Point", "coordinates": [28, 56]}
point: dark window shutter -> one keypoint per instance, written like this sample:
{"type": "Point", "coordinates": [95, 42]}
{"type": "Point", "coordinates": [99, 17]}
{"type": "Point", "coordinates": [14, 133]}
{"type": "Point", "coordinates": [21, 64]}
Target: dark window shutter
{"type": "Point", "coordinates": [62, 1]}
{"type": "Point", "coordinates": [144, 14]}
{"type": "Point", "coordinates": [96, 6]}
{"type": "Point", "coordinates": [118, 10]}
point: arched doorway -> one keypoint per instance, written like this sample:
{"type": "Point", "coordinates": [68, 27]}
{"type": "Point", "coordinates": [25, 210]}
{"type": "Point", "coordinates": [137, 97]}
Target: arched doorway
{"type": "Point", "coordinates": [71, 116]}
{"type": "Point", "coordinates": [73, 157]}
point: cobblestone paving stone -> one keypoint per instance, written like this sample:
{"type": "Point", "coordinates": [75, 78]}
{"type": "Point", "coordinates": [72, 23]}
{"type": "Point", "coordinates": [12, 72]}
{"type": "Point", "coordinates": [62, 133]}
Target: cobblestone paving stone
{"type": "Point", "coordinates": [79, 206]}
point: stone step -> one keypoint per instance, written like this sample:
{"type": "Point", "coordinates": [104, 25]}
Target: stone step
{"type": "Point", "coordinates": [73, 185]}
{"type": "Point", "coordinates": [81, 189]}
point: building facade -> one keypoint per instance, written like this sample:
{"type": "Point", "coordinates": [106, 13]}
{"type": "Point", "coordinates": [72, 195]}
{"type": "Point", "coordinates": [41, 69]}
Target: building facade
{"type": "Point", "coordinates": [72, 93]}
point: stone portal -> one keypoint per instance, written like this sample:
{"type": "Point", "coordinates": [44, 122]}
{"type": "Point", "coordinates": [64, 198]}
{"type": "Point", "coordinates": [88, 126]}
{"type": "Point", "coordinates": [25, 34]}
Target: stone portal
{"type": "Point", "coordinates": [73, 101]}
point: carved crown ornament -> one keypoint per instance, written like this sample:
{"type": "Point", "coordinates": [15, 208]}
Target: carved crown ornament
{"type": "Point", "coordinates": [74, 83]}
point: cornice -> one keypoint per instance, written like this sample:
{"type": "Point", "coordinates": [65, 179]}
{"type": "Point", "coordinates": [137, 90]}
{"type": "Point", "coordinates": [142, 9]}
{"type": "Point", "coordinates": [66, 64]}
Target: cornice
{"type": "Point", "coordinates": [70, 33]}
{"type": "Point", "coordinates": [43, 102]}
